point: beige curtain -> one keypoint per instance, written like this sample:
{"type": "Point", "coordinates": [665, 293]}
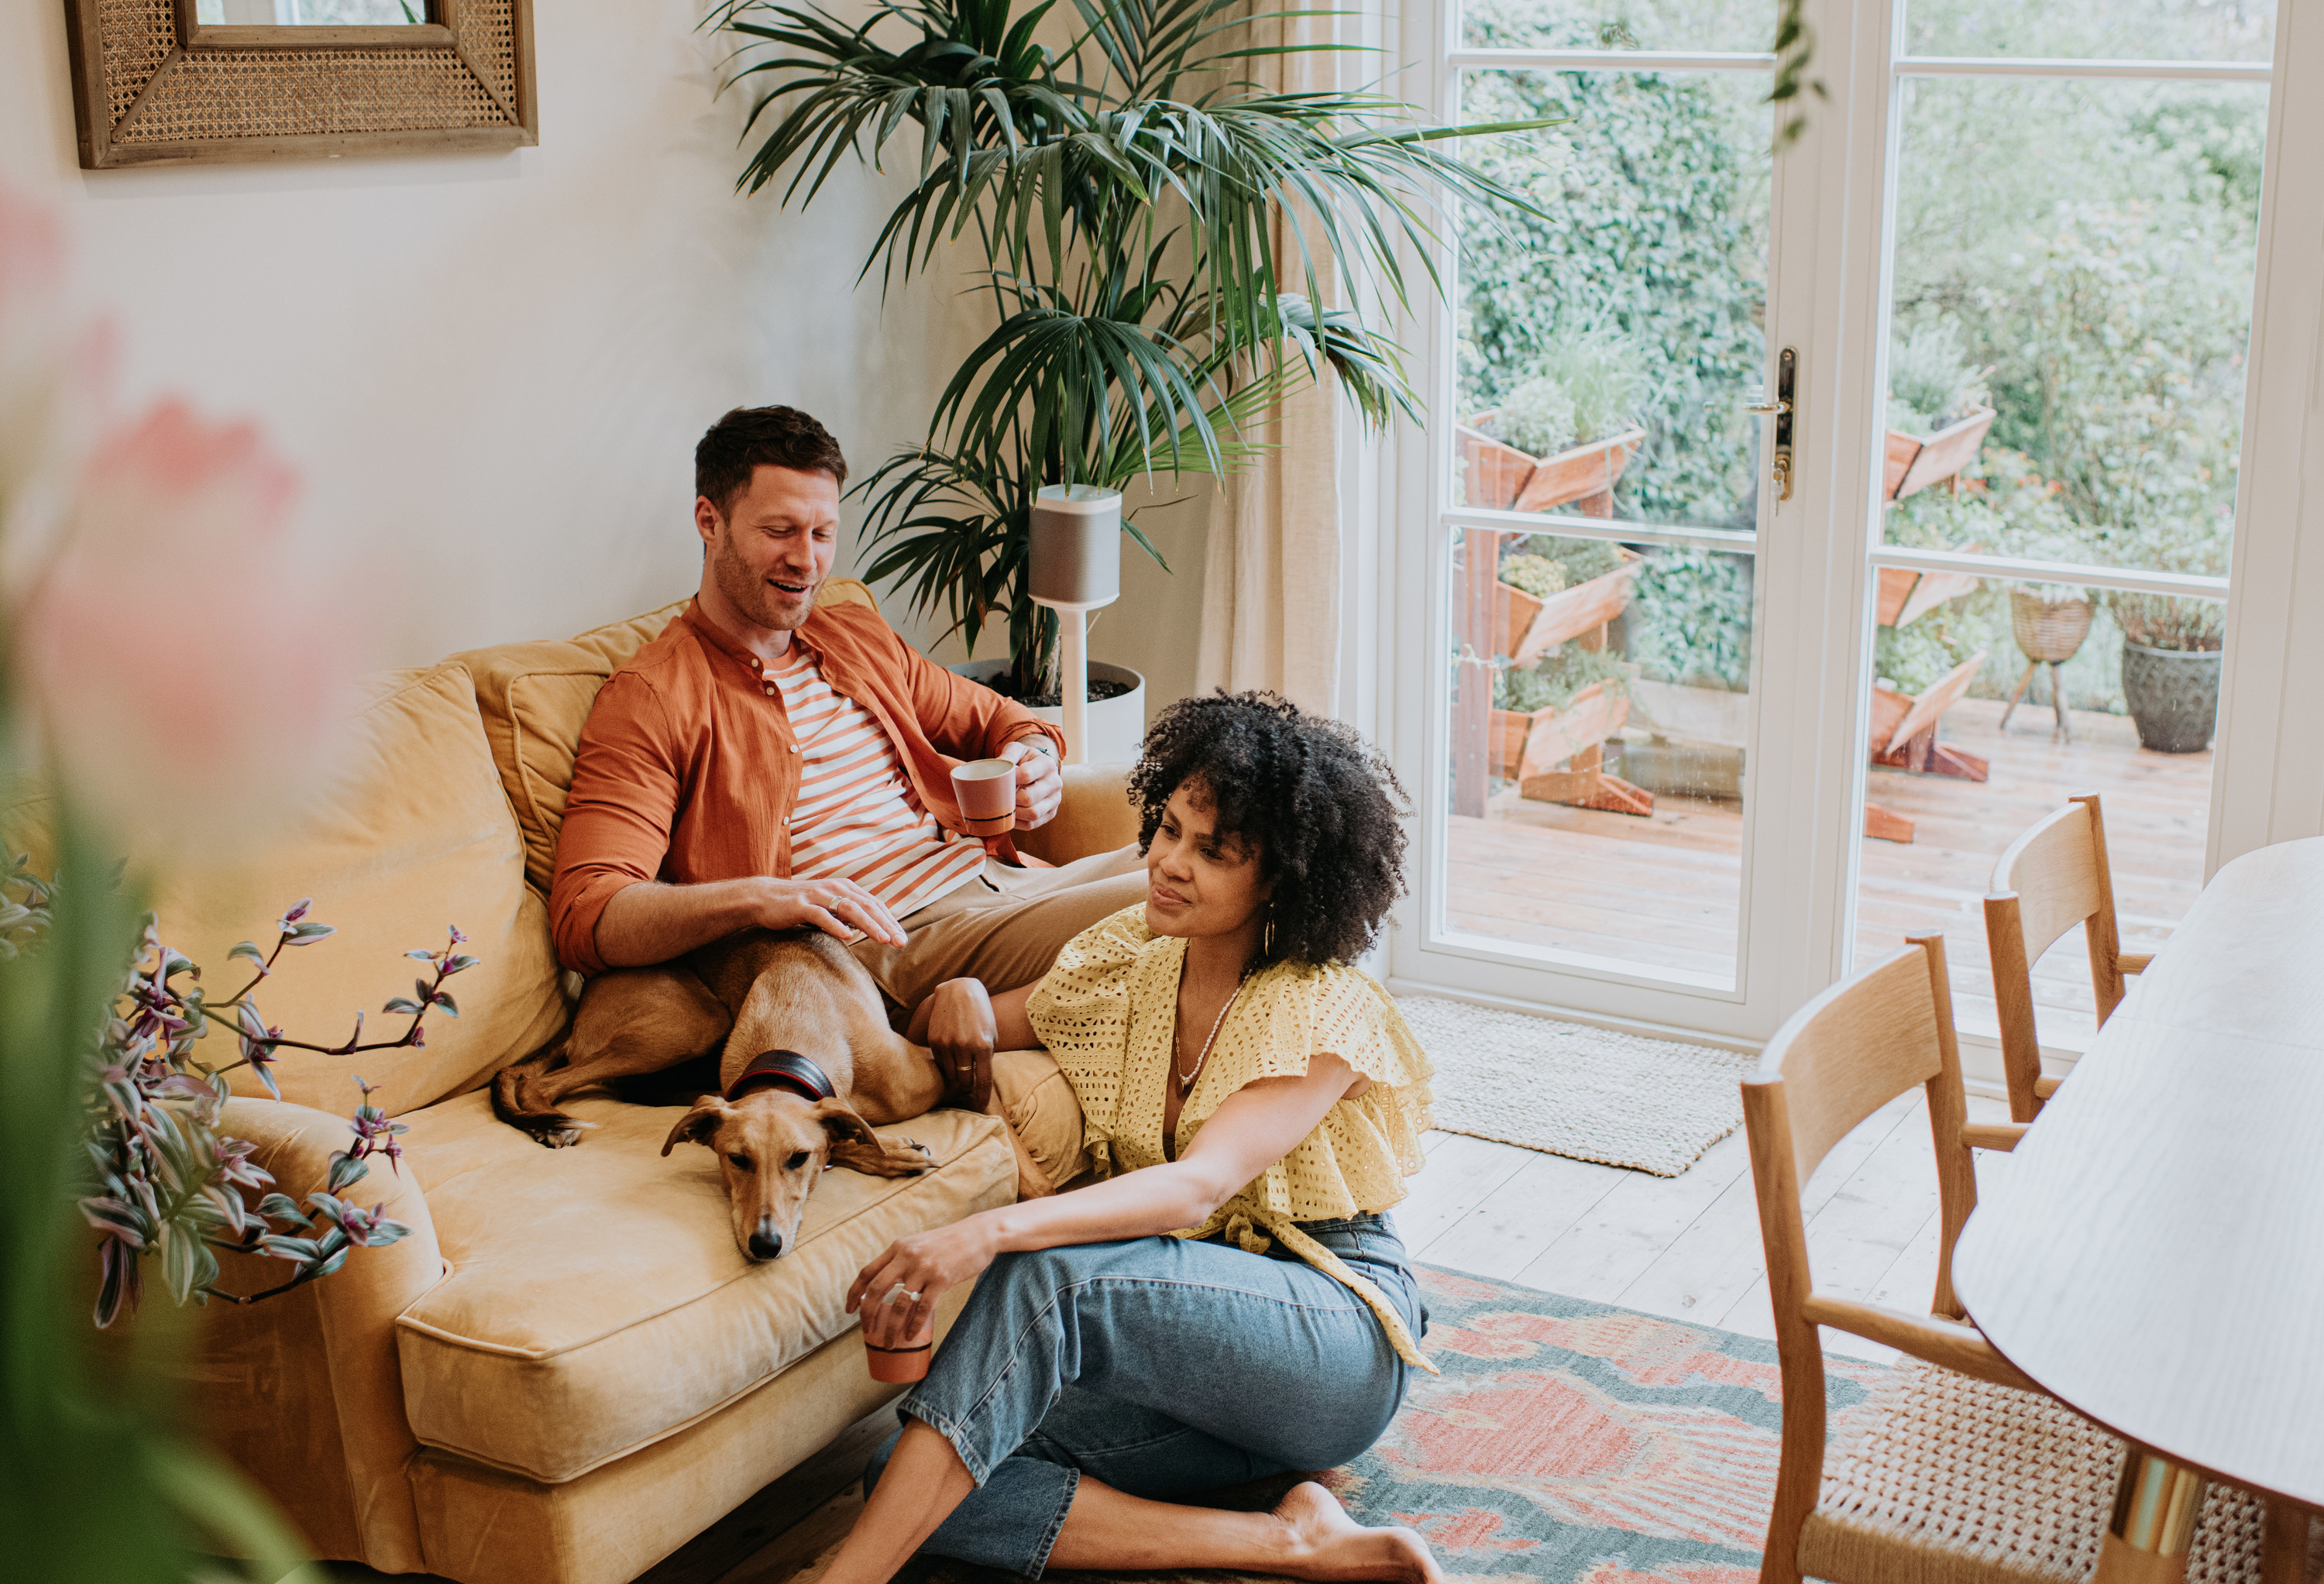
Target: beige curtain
{"type": "Point", "coordinates": [1271, 561]}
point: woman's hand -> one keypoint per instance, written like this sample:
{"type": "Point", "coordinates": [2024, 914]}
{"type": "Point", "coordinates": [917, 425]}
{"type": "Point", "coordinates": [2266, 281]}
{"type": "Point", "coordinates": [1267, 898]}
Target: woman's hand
{"type": "Point", "coordinates": [926, 1263]}
{"type": "Point", "coordinates": [961, 1034]}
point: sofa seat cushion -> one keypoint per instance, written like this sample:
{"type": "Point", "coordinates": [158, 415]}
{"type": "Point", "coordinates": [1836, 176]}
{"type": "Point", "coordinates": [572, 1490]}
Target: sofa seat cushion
{"type": "Point", "coordinates": [595, 1301]}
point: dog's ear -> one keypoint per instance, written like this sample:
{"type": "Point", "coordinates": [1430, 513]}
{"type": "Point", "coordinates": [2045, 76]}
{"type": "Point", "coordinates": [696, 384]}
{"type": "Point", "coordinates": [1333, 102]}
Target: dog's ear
{"type": "Point", "coordinates": [854, 1145]}
{"type": "Point", "coordinates": [844, 1128]}
{"type": "Point", "coordinates": [698, 1125]}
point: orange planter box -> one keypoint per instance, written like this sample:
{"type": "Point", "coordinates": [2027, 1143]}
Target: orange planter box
{"type": "Point", "coordinates": [1913, 463]}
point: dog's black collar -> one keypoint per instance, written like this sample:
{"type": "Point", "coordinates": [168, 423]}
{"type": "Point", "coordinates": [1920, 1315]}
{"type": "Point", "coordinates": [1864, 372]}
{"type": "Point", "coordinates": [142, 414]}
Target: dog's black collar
{"type": "Point", "coordinates": [787, 1068]}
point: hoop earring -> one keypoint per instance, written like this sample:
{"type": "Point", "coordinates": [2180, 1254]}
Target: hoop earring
{"type": "Point", "coordinates": [1267, 938]}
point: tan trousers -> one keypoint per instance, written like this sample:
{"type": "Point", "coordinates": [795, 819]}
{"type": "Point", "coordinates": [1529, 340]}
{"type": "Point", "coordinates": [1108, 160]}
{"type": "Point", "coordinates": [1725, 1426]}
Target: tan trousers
{"type": "Point", "coordinates": [1005, 928]}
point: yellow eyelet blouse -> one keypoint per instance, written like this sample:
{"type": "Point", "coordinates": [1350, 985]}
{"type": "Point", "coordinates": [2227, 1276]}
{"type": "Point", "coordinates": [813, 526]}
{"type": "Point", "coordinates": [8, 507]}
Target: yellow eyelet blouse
{"type": "Point", "coordinates": [1107, 1011]}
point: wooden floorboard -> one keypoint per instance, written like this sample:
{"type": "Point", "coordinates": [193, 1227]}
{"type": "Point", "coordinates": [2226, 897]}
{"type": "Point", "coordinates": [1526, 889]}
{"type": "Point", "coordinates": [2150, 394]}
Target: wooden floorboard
{"type": "Point", "coordinates": [1664, 891]}
{"type": "Point", "coordinates": [1688, 1247]}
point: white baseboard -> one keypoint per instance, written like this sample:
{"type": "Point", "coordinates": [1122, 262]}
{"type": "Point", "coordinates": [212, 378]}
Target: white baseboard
{"type": "Point", "coordinates": [1412, 986]}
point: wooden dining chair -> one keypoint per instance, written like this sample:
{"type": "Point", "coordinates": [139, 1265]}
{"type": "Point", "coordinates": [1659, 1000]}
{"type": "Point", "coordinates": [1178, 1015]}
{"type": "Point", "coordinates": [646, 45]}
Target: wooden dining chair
{"type": "Point", "coordinates": [1959, 1468]}
{"type": "Point", "coordinates": [2050, 879]}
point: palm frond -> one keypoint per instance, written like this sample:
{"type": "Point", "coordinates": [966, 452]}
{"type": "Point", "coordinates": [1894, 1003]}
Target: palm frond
{"type": "Point", "coordinates": [1155, 237]}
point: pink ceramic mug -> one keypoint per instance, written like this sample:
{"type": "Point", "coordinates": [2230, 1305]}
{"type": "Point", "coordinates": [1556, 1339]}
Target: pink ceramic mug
{"type": "Point", "coordinates": [987, 791]}
{"type": "Point", "coordinates": [900, 1366]}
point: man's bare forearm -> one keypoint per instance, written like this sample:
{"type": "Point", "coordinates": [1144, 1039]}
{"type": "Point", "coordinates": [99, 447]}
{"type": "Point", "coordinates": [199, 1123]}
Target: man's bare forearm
{"type": "Point", "coordinates": [652, 922]}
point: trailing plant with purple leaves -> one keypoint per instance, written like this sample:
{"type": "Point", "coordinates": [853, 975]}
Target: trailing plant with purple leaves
{"type": "Point", "coordinates": [170, 1184]}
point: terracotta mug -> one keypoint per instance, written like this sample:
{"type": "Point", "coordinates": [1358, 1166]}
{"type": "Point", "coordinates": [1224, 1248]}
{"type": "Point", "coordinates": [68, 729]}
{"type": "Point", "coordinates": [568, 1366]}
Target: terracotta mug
{"type": "Point", "coordinates": [902, 1366]}
{"type": "Point", "coordinates": [987, 791]}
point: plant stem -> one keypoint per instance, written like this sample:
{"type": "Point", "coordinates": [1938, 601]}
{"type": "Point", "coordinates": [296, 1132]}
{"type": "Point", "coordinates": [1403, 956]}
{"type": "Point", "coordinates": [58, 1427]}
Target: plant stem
{"type": "Point", "coordinates": [235, 999]}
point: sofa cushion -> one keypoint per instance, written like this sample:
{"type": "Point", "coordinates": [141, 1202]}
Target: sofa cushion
{"type": "Point", "coordinates": [537, 696]}
{"type": "Point", "coordinates": [596, 1301]}
{"type": "Point", "coordinates": [411, 836]}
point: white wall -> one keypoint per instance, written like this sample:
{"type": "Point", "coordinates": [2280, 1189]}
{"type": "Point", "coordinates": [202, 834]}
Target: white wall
{"type": "Point", "coordinates": [492, 369]}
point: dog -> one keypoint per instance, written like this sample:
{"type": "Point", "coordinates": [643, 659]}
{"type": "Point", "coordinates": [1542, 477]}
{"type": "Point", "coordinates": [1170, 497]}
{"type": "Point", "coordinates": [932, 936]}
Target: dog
{"type": "Point", "coordinates": [807, 1065]}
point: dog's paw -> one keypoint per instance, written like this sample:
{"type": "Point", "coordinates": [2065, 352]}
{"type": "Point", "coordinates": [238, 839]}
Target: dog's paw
{"type": "Point", "coordinates": [557, 1132]}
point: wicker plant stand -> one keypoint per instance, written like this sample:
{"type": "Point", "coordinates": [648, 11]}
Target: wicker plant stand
{"type": "Point", "coordinates": [2048, 635]}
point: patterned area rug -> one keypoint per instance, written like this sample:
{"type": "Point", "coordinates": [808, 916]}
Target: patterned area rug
{"type": "Point", "coordinates": [1565, 1442]}
{"type": "Point", "coordinates": [1572, 1090]}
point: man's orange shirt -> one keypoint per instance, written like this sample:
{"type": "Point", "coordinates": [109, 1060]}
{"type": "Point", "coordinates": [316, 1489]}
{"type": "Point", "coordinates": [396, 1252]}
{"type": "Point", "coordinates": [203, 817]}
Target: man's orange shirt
{"type": "Point", "coordinates": [689, 769]}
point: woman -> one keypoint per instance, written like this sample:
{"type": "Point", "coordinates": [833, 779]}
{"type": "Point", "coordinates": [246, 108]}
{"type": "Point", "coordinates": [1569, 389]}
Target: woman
{"type": "Point", "coordinates": [1244, 1090]}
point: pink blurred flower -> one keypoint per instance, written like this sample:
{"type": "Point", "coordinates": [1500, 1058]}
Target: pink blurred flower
{"type": "Point", "coordinates": [186, 669]}
{"type": "Point", "coordinates": [52, 378]}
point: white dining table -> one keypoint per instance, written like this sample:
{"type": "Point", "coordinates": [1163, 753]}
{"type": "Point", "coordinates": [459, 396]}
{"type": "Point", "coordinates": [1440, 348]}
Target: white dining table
{"type": "Point", "coordinates": [2154, 1254]}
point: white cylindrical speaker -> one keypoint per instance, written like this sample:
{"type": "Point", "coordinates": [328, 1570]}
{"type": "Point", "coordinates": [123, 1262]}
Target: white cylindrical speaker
{"type": "Point", "coordinates": [1075, 548]}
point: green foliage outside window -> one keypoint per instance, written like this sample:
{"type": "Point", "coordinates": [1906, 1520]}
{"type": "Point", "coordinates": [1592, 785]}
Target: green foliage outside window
{"type": "Point", "coordinates": [1653, 203]}
{"type": "Point", "coordinates": [2084, 249]}
{"type": "Point", "coordinates": [1689, 618]}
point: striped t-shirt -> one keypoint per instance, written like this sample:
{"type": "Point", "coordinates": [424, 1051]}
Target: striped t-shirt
{"type": "Point", "coordinates": [856, 818]}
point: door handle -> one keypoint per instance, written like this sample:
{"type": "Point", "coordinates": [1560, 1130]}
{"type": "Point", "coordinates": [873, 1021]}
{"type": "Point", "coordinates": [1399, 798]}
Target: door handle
{"type": "Point", "coordinates": [1783, 409]}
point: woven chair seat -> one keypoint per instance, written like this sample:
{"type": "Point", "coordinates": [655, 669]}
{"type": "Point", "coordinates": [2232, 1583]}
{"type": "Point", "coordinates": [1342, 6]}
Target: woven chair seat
{"type": "Point", "coordinates": [1952, 1481]}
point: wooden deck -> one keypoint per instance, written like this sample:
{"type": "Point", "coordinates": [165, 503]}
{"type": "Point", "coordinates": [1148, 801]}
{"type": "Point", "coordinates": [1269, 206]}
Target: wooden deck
{"type": "Point", "coordinates": [1665, 892]}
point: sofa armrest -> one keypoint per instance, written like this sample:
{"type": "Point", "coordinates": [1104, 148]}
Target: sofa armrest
{"type": "Point", "coordinates": [303, 1391]}
{"type": "Point", "coordinates": [1096, 816]}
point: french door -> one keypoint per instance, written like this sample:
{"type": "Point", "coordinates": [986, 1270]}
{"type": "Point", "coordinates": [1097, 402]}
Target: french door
{"type": "Point", "coordinates": [1658, 604]}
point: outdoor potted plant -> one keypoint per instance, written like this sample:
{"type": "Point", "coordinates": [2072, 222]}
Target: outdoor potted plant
{"type": "Point", "coordinates": [1938, 409]}
{"type": "Point", "coordinates": [1125, 195]}
{"type": "Point", "coordinates": [1558, 695]}
{"type": "Point", "coordinates": [1563, 435]}
{"type": "Point", "coordinates": [2050, 621]}
{"type": "Point", "coordinates": [2171, 657]}
{"type": "Point", "coordinates": [1550, 589]}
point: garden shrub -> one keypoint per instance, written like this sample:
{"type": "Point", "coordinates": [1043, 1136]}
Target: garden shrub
{"type": "Point", "coordinates": [1656, 202]}
{"type": "Point", "coordinates": [1689, 618]}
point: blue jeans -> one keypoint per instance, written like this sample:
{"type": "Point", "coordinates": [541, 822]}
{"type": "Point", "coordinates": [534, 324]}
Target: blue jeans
{"type": "Point", "coordinates": [1160, 1366]}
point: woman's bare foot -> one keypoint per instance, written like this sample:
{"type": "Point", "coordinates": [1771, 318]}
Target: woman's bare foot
{"type": "Point", "coordinates": [1325, 1543]}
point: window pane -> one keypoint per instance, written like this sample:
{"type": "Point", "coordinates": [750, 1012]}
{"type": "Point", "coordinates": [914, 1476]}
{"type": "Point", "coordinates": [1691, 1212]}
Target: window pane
{"type": "Point", "coordinates": [2073, 279]}
{"type": "Point", "coordinates": [1628, 315]}
{"type": "Point", "coordinates": [1597, 766]}
{"type": "Point", "coordinates": [1632, 24]}
{"type": "Point", "coordinates": [2074, 258]}
{"type": "Point", "coordinates": [1932, 834]}
{"type": "Point", "coordinates": [2101, 30]}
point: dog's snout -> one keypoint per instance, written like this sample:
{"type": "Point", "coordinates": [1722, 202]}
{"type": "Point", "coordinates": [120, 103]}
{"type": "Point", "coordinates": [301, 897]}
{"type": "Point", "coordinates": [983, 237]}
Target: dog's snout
{"type": "Point", "coordinates": [766, 1240]}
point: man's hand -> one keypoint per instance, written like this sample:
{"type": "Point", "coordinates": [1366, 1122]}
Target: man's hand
{"type": "Point", "coordinates": [960, 1034]}
{"type": "Point", "coordinates": [837, 907]}
{"type": "Point", "coordinates": [1040, 785]}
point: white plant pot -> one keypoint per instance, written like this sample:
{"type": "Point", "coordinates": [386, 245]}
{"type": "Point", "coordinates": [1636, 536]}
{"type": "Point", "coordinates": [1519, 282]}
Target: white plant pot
{"type": "Point", "coordinates": [1117, 725]}
{"type": "Point", "coordinates": [1691, 715]}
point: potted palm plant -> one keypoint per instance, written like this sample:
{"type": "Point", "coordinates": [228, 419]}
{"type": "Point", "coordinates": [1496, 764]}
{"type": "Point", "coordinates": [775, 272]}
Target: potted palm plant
{"type": "Point", "coordinates": [1128, 196]}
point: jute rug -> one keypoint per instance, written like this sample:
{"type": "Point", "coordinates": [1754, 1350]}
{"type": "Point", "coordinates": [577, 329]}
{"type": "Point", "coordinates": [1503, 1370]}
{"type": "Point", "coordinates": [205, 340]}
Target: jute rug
{"type": "Point", "coordinates": [1565, 1442]}
{"type": "Point", "coordinates": [1572, 1090]}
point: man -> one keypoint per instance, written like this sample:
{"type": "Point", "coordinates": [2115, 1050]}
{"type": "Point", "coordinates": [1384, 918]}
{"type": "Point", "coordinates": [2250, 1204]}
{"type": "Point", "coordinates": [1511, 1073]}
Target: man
{"type": "Point", "coordinates": [763, 763]}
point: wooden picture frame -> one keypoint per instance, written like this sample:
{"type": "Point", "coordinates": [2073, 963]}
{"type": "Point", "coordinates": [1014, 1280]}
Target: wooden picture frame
{"type": "Point", "coordinates": [152, 85]}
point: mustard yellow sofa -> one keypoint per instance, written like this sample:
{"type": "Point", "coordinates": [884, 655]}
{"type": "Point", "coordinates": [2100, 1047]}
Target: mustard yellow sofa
{"type": "Point", "coordinates": [567, 1369]}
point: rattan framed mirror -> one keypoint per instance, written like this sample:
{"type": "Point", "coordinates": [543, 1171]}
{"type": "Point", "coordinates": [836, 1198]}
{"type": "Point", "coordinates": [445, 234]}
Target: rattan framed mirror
{"type": "Point", "coordinates": [182, 81]}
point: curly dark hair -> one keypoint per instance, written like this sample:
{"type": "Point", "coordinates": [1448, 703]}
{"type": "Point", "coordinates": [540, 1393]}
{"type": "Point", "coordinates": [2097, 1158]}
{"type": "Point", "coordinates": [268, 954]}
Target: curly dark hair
{"type": "Point", "coordinates": [1322, 810]}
